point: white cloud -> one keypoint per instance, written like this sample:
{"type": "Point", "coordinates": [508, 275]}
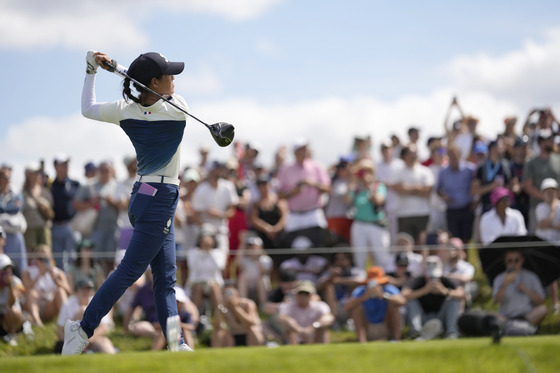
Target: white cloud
{"type": "Point", "coordinates": [198, 81]}
{"type": "Point", "coordinates": [112, 24]}
{"type": "Point", "coordinates": [527, 76]}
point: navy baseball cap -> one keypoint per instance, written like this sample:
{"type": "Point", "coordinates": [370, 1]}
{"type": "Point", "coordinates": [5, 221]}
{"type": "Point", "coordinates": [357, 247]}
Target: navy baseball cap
{"type": "Point", "coordinates": [152, 65]}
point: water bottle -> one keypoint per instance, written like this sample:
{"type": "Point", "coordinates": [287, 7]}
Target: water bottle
{"type": "Point", "coordinates": [173, 332]}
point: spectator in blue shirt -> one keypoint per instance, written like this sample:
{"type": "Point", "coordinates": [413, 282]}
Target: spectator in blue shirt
{"type": "Point", "coordinates": [375, 308]}
{"type": "Point", "coordinates": [454, 186]}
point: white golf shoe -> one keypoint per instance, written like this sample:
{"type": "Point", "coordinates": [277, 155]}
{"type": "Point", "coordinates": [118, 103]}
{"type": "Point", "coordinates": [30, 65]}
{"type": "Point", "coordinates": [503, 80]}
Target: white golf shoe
{"type": "Point", "coordinates": [75, 339]}
{"type": "Point", "coordinates": [185, 347]}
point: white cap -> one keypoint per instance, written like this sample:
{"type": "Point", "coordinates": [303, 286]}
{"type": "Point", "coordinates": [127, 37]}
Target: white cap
{"type": "Point", "coordinates": [549, 183]}
{"type": "Point", "coordinates": [61, 158]}
{"type": "Point", "coordinates": [191, 175]}
{"type": "Point", "coordinates": [299, 143]}
{"type": "Point", "coordinates": [2, 232]}
{"type": "Point", "coordinates": [33, 167]}
{"type": "Point", "coordinates": [5, 261]}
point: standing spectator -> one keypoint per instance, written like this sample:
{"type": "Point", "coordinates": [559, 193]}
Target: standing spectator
{"type": "Point", "coordinates": [63, 190]}
{"type": "Point", "coordinates": [387, 169]}
{"type": "Point", "coordinates": [502, 220]}
{"type": "Point", "coordinates": [494, 172]}
{"type": "Point", "coordinates": [12, 220]}
{"type": "Point", "coordinates": [413, 185]}
{"type": "Point", "coordinates": [509, 136]}
{"type": "Point", "coordinates": [438, 206]}
{"type": "Point", "coordinates": [104, 196]}
{"type": "Point", "coordinates": [268, 217]}
{"type": "Point", "coordinates": [46, 287]}
{"type": "Point", "coordinates": [369, 235]}
{"type": "Point", "coordinates": [214, 202]}
{"type": "Point", "coordinates": [73, 309]}
{"type": "Point", "coordinates": [361, 147]}
{"type": "Point", "coordinates": [37, 208]}
{"type": "Point", "coordinates": [433, 303]}
{"type": "Point", "coordinates": [375, 308]}
{"type": "Point", "coordinates": [456, 129]}
{"type": "Point", "coordinates": [517, 164]}
{"type": "Point", "coordinates": [254, 269]}
{"type": "Point", "coordinates": [547, 212]}
{"type": "Point", "coordinates": [466, 137]}
{"type": "Point", "coordinates": [453, 186]}
{"type": "Point", "coordinates": [519, 292]}
{"type": "Point", "coordinates": [337, 210]}
{"type": "Point", "coordinates": [90, 172]}
{"type": "Point", "coordinates": [545, 165]}
{"type": "Point", "coordinates": [236, 321]}
{"type": "Point", "coordinates": [302, 184]}
{"type": "Point", "coordinates": [338, 282]}
{"type": "Point", "coordinates": [11, 291]}
{"type": "Point", "coordinates": [305, 319]}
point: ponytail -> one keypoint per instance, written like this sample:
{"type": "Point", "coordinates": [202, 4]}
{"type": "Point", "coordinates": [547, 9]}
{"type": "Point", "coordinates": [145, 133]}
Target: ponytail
{"type": "Point", "coordinates": [127, 92]}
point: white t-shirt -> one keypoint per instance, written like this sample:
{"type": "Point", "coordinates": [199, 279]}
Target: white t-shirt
{"type": "Point", "coordinates": [308, 270]}
{"type": "Point", "coordinates": [251, 269]}
{"type": "Point", "coordinates": [5, 295]}
{"type": "Point", "coordinates": [220, 198]}
{"type": "Point", "coordinates": [491, 226]}
{"type": "Point", "coordinates": [412, 205]}
{"type": "Point", "coordinates": [206, 266]}
{"type": "Point", "coordinates": [462, 268]}
{"type": "Point", "coordinates": [541, 212]}
{"type": "Point", "coordinates": [304, 317]}
{"type": "Point", "coordinates": [386, 173]}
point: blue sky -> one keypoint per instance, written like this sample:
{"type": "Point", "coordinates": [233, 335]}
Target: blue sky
{"type": "Point", "coordinates": [277, 69]}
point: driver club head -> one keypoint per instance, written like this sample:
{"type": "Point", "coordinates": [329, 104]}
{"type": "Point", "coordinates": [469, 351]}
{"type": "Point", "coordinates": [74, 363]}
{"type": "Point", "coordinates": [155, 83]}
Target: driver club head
{"type": "Point", "coordinates": [222, 133]}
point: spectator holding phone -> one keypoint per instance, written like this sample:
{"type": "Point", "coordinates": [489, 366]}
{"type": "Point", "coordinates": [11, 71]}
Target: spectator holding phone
{"type": "Point", "coordinates": [11, 291]}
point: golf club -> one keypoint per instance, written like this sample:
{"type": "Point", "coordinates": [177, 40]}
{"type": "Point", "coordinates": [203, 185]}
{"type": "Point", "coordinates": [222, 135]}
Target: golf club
{"type": "Point", "coordinates": [222, 132]}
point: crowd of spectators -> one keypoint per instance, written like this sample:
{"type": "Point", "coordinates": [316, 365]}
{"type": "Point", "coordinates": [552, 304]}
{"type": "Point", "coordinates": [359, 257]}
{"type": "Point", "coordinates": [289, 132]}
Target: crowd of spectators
{"type": "Point", "coordinates": [252, 240]}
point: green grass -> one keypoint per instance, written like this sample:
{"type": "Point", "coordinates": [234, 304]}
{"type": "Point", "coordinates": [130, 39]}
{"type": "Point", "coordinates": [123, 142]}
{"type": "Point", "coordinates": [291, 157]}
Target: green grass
{"type": "Point", "coordinates": [529, 354]}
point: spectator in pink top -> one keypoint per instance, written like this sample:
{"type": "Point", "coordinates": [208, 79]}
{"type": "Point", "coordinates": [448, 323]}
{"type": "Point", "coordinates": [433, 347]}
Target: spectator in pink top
{"type": "Point", "coordinates": [302, 184]}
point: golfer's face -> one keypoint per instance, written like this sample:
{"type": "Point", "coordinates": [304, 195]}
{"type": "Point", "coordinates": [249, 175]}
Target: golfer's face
{"type": "Point", "coordinates": [165, 85]}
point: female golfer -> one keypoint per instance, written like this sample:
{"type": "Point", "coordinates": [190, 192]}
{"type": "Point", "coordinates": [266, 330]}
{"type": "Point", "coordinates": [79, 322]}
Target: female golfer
{"type": "Point", "coordinates": [155, 128]}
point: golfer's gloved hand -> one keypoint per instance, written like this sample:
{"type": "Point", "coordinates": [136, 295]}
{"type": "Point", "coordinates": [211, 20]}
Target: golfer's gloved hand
{"type": "Point", "coordinates": [92, 64]}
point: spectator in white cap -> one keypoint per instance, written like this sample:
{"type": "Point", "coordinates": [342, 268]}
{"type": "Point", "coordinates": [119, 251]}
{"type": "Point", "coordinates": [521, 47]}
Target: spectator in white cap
{"type": "Point", "coordinates": [547, 214]}
{"type": "Point", "coordinates": [11, 291]}
{"type": "Point", "coordinates": [63, 190]}
{"type": "Point", "coordinates": [254, 269]}
{"type": "Point", "coordinates": [303, 184]}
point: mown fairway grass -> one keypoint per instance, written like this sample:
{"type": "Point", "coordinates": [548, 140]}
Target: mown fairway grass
{"type": "Point", "coordinates": [528, 354]}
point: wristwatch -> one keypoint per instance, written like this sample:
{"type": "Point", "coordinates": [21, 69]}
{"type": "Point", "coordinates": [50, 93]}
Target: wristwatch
{"type": "Point", "coordinates": [316, 325]}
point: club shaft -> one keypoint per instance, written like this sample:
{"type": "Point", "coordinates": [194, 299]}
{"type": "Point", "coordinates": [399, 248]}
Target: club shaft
{"type": "Point", "coordinates": [143, 86]}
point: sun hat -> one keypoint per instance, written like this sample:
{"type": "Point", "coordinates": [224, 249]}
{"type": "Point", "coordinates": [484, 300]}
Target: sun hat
{"type": "Point", "coordinates": [378, 274]}
{"type": "Point", "coordinates": [498, 193]}
{"type": "Point", "coordinates": [305, 287]}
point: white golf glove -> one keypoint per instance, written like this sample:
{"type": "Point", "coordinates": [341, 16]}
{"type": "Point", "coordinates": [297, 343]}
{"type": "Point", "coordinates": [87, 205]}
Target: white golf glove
{"type": "Point", "coordinates": [92, 65]}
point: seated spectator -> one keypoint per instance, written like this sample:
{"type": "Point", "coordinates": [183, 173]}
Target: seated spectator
{"type": "Point", "coordinates": [369, 234]}
{"type": "Point", "coordinates": [141, 319]}
{"type": "Point", "coordinates": [11, 291]}
{"type": "Point", "coordinates": [501, 220]}
{"type": "Point", "coordinates": [236, 322]}
{"type": "Point", "coordinates": [305, 319]}
{"type": "Point", "coordinates": [458, 270]}
{"type": "Point", "coordinates": [519, 292]}
{"type": "Point", "coordinates": [189, 315]}
{"type": "Point", "coordinates": [401, 274]}
{"type": "Point", "coordinates": [307, 266]}
{"type": "Point", "coordinates": [282, 293]}
{"type": "Point", "coordinates": [375, 308]}
{"type": "Point", "coordinates": [85, 267]}
{"type": "Point", "coordinates": [73, 309]}
{"type": "Point", "coordinates": [548, 212]}
{"type": "Point", "coordinates": [46, 287]}
{"type": "Point", "coordinates": [254, 268]}
{"type": "Point", "coordinates": [206, 263]}
{"type": "Point", "coordinates": [433, 303]}
{"type": "Point", "coordinates": [404, 244]}
{"type": "Point", "coordinates": [338, 282]}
